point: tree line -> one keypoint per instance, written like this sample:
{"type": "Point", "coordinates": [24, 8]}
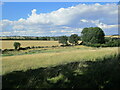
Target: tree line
{"type": "Point", "coordinates": [45, 38]}
{"type": "Point", "coordinates": [92, 36]}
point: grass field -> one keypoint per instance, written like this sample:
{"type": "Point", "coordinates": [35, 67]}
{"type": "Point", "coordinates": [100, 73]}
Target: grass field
{"type": "Point", "coordinates": [8, 44]}
{"type": "Point", "coordinates": [101, 73]}
{"type": "Point", "coordinates": [56, 67]}
{"type": "Point", "coordinates": [53, 57]}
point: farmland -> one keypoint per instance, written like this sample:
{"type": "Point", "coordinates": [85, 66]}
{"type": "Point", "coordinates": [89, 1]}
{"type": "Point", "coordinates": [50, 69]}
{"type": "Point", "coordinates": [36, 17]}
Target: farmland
{"type": "Point", "coordinates": [54, 56]}
{"type": "Point", "coordinates": [41, 67]}
{"type": "Point", "coordinates": [60, 45]}
{"type": "Point", "coordinates": [8, 44]}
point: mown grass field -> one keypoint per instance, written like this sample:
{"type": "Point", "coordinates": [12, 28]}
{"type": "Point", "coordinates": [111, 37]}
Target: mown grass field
{"type": "Point", "coordinates": [8, 44]}
{"type": "Point", "coordinates": [53, 57]}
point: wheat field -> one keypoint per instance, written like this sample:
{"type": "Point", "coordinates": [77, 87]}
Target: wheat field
{"type": "Point", "coordinates": [8, 44]}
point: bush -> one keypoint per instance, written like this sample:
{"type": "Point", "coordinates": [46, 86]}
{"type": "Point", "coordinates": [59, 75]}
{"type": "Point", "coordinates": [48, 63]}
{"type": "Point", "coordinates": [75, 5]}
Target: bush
{"type": "Point", "coordinates": [113, 43]}
{"type": "Point", "coordinates": [17, 45]}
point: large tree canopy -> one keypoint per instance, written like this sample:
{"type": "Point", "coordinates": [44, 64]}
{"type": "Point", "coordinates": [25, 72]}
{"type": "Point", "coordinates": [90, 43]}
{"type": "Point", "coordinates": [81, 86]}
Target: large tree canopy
{"type": "Point", "coordinates": [93, 35]}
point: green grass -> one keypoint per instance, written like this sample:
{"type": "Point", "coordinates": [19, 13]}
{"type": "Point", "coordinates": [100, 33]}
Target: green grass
{"type": "Point", "coordinates": [41, 50]}
{"type": "Point", "coordinates": [53, 57]}
{"type": "Point", "coordinates": [102, 73]}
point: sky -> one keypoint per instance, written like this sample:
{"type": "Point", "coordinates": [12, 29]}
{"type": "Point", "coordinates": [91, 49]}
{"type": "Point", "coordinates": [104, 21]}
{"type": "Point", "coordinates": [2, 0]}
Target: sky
{"type": "Point", "coordinates": [60, 0]}
{"type": "Point", "coordinates": [57, 18]}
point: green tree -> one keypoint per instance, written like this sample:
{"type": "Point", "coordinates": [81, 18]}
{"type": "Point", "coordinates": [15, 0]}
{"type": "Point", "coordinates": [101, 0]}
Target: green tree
{"type": "Point", "coordinates": [74, 39]}
{"type": "Point", "coordinates": [37, 38]}
{"type": "Point", "coordinates": [93, 35]}
{"type": "Point", "coordinates": [17, 45]}
{"type": "Point", "coordinates": [63, 40]}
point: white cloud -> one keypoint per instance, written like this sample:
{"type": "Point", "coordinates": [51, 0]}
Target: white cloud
{"type": "Point", "coordinates": [18, 27]}
{"type": "Point", "coordinates": [83, 20]}
{"type": "Point", "coordinates": [65, 20]}
{"type": "Point", "coordinates": [99, 24]}
{"type": "Point", "coordinates": [105, 26]}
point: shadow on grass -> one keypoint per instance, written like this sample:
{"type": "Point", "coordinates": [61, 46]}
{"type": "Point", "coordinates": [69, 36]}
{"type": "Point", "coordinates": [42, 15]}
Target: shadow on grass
{"type": "Point", "coordinates": [90, 74]}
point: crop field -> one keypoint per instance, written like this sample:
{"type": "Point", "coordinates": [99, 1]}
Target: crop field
{"type": "Point", "coordinates": [111, 36]}
{"type": "Point", "coordinates": [8, 44]}
{"type": "Point", "coordinates": [53, 57]}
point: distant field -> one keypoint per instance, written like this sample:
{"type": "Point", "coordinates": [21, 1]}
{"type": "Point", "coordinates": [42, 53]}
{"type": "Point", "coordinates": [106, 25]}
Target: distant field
{"type": "Point", "coordinates": [111, 36]}
{"type": "Point", "coordinates": [8, 44]}
{"type": "Point", "coordinates": [53, 57]}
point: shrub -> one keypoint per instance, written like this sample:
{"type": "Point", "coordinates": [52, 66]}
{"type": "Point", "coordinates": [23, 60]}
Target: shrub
{"type": "Point", "coordinates": [17, 45]}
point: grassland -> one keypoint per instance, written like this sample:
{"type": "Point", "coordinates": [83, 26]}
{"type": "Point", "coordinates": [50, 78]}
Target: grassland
{"type": "Point", "coordinates": [54, 57]}
{"type": "Point", "coordinates": [102, 73]}
{"type": "Point", "coordinates": [59, 67]}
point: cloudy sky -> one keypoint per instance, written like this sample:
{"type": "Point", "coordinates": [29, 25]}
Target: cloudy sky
{"type": "Point", "coordinates": [57, 18]}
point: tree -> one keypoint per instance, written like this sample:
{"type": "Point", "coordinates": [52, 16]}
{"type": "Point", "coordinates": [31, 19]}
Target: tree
{"type": "Point", "coordinates": [17, 45]}
{"type": "Point", "coordinates": [93, 35]}
{"type": "Point", "coordinates": [63, 40]}
{"type": "Point", "coordinates": [37, 38]}
{"type": "Point", "coordinates": [74, 39]}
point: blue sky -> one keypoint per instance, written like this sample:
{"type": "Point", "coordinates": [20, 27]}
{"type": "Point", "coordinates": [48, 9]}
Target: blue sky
{"type": "Point", "coordinates": [17, 10]}
{"type": "Point", "coordinates": [57, 18]}
{"type": "Point", "coordinates": [22, 9]}
{"type": "Point", "coordinates": [61, 0]}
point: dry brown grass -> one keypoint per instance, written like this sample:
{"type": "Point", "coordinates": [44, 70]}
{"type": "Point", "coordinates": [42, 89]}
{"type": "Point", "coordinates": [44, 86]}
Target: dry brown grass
{"type": "Point", "coordinates": [111, 36]}
{"type": "Point", "coordinates": [8, 44]}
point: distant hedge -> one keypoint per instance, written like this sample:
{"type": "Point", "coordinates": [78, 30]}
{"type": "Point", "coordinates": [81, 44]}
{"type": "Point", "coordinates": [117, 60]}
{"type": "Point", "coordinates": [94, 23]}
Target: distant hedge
{"type": "Point", "coordinates": [109, 43]}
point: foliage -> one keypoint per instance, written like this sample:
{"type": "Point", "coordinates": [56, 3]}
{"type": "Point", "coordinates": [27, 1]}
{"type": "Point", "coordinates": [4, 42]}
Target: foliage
{"type": "Point", "coordinates": [74, 39]}
{"type": "Point", "coordinates": [112, 42]}
{"type": "Point", "coordinates": [17, 45]}
{"type": "Point", "coordinates": [45, 38]}
{"type": "Point", "coordinates": [56, 79]}
{"type": "Point", "coordinates": [63, 40]}
{"type": "Point", "coordinates": [93, 35]}
{"type": "Point", "coordinates": [109, 42]}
